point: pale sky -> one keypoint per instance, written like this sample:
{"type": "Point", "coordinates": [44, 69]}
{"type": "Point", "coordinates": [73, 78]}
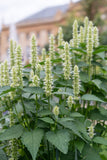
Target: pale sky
{"type": "Point", "coordinates": [15, 10]}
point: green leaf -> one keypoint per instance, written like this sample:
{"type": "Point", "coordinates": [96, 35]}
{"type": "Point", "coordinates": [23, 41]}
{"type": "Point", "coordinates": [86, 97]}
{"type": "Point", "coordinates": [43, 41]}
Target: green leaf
{"type": "Point", "coordinates": [91, 97]}
{"type": "Point", "coordinates": [47, 120]}
{"type": "Point", "coordinates": [76, 115]}
{"type": "Point", "coordinates": [35, 90]}
{"type": "Point", "coordinates": [6, 89]}
{"type": "Point", "coordinates": [32, 140]}
{"type": "Point", "coordinates": [100, 140]}
{"type": "Point", "coordinates": [84, 77]}
{"type": "Point", "coordinates": [43, 113]}
{"type": "Point", "coordinates": [72, 126]}
{"type": "Point", "coordinates": [90, 153]}
{"type": "Point", "coordinates": [79, 145]}
{"type": "Point", "coordinates": [60, 139]}
{"type": "Point", "coordinates": [2, 155]}
{"type": "Point", "coordinates": [101, 55]}
{"type": "Point", "coordinates": [13, 132]}
{"type": "Point", "coordinates": [62, 93]}
{"type": "Point", "coordinates": [97, 82]}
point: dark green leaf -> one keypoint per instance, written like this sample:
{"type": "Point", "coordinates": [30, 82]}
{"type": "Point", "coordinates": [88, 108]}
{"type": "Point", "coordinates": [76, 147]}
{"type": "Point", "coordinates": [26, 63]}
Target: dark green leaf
{"type": "Point", "coordinates": [32, 140]}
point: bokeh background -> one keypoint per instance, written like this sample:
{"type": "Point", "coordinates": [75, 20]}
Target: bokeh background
{"type": "Point", "coordinates": [19, 19]}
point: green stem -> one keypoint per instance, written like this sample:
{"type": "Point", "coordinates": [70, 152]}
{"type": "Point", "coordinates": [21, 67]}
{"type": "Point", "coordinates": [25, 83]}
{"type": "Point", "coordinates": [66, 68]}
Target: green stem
{"type": "Point", "coordinates": [49, 103]}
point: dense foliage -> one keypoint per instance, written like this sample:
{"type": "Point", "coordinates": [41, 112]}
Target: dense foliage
{"type": "Point", "coordinates": [55, 108]}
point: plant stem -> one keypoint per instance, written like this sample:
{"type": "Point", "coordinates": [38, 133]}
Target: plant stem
{"type": "Point", "coordinates": [57, 154]}
{"type": "Point", "coordinates": [49, 103]}
{"type": "Point", "coordinates": [76, 158]}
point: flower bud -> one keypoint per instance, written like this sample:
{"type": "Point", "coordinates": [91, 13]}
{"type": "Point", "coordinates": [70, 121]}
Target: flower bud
{"type": "Point", "coordinates": [91, 131]}
{"type": "Point", "coordinates": [67, 61]}
{"type": "Point", "coordinates": [52, 46]}
{"type": "Point", "coordinates": [96, 37]}
{"type": "Point", "coordinates": [76, 82]}
{"type": "Point", "coordinates": [70, 101]}
{"type": "Point", "coordinates": [35, 81]}
{"type": "Point", "coordinates": [56, 111]}
{"type": "Point", "coordinates": [48, 77]}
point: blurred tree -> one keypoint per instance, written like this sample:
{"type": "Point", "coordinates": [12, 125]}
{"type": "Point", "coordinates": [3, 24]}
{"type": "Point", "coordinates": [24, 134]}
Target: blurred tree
{"type": "Point", "coordinates": [91, 7]}
{"type": "Point", "coordinates": [68, 28]}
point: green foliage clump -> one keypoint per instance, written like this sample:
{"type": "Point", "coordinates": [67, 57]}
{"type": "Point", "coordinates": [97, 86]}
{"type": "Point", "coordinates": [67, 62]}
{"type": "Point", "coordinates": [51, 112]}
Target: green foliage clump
{"type": "Point", "coordinates": [56, 108]}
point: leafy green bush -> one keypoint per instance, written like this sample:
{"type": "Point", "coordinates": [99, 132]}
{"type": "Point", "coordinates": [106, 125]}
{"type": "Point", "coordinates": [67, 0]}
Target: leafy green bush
{"type": "Point", "coordinates": [55, 108]}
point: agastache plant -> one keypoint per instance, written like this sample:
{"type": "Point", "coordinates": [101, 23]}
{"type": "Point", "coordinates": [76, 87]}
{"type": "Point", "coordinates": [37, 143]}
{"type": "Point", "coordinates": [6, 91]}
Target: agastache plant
{"type": "Point", "coordinates": [48, 78]}
{"type": "Point", "coordinates": [52, 46]}
{"type": "Point", "coordinates": [34, 58]}
{"type": "Point", "coordinates": [76, 83]}
{"type": "Point", "coordinates": [67, 62]}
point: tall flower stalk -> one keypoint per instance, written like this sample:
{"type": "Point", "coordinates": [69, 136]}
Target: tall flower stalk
{"type": "Point", "coordinates": [96, 37]}
{"type": "Point", "coordinates": [19, 66]}
{"type": "Point", "coordinates": [86, 23]}
{"type": "Point", "coordinates": [67, 62]}
{"type": "Point", "coordinates": [89, 48]}
{"type": "Point", "coordinates": [34, 58]}
{"type": "Point", "coordinates": [6, 74]}
{"type": "Point", "coordinates": [48, 78]}
{"type": "Point", "coordinates": [76, 83]}
{"type": "Point", "coordinates": [60, 41]}
{"type": "Point", "coordinates": [52, 46]}
{"type": "Point", "coordinates": [12, 53]}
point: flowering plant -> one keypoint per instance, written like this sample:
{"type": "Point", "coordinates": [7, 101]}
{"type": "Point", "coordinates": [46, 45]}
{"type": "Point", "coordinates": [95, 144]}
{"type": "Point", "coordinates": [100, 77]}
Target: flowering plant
{"type": "Point", "coordinates": [55, 107]}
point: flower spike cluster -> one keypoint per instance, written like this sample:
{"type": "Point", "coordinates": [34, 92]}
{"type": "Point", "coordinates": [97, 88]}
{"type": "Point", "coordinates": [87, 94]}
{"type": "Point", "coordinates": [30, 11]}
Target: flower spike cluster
{"type": "Point", "coordinates": [33, 53]}
{"type": "Point", "coordinates": [19, 65]}
{"type": "Point", "coordinates": [52, 46]}
{"type": "Point", "coordinates": [56, 111]}
{"type": "Point", "coordinates": [86, 22]}
{"type": "Point", "coordinates": [70, 101]}
{"type": "Point", "coordinates": [91, 131]}
{"type": "Point", "coordinates": [81, 34]}
{"type": "Point", "coordinates": [60, 40]}
{"type": "Point", "coordinates": [76, 83]}
{"type": "Point", "coordinates": [2, 74]}
{"type": "Point", "coordinates": [35, 81]}
{"type": "Point", "coordinates": [75, 33]}
{"type": "Point", "coordinates": [14, 77]}
{"type": "Point", "coordinates": [67, 61]}
{"type": "Point", "coordinates": [96, 37]}
{"type": "Point", "coordinates": [48, 78]}
{"type": "Point", "coordinates": [90, 43]}
{"type": "Point", "coordinates": [12, 54]}
{"type": "Point", "coordinates": [6, 74]}
{"type": "Point", "coordinates": [43, 54]}
{"type": "Point", "coordinates": [38, 69]}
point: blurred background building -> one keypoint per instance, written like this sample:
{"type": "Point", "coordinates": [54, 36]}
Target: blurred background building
{"type": "Point", "coordinates": [47, 21]}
